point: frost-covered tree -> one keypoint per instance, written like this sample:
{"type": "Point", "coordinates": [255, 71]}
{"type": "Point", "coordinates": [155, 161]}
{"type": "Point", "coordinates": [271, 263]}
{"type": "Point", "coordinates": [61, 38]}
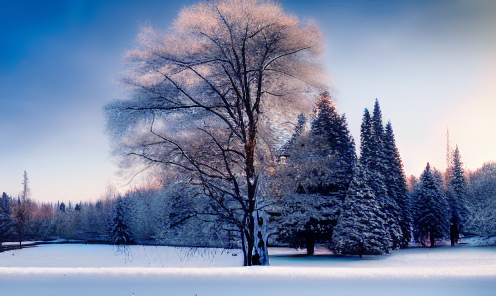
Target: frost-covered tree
{"type": "Point", "coordinates": [366, 153]}
{"type": "Point", "coordinates": [320, 164]}
{"type": "Point", "coordinates": [396, 186]}
{"type": "Point", "coordinates": [211, 97]}
{"type": "Point", "coordinates": [372, 155]}
{"type": "Point", "coordinates": [301, 215]}
{"type": "Point", "coordinates": [21, 210]}
{"type": "Point", "coordinates": [378, 167]}
{"type": "Point", "coordinates": [457, 195]}
{"type": "Point", "coordinates": [431, 209]}
{"type": "Point", "coordinates": [332, 131]}
{"type": "Point", "coordinates": [119, 231]}
{"type": "Point", "coordinates": [6, 223]}
{"type": "Point", "coordinates": [361, 226]}
{"type": "Point", "coordinates": [482, 200]}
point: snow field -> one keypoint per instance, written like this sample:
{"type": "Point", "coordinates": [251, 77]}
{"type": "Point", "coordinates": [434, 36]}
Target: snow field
{"type": "Point", "coordinates": [104, 270]}
{"type": "Point", "coordinates": [81, 256]}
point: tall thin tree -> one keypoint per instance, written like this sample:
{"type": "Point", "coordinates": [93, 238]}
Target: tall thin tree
{"type": "Point", "coordinates": [395, 182]}
{"type": "Point", "coordinates": [457, 195]}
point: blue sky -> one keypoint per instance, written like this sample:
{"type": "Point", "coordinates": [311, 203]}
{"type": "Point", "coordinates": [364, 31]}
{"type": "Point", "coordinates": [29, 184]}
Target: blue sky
{"type": "Point", "coordinates": [431, 64]}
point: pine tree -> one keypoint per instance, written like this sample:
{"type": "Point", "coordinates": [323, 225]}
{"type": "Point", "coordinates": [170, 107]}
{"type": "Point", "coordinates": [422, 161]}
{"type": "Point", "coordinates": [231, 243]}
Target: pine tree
{"type": "Point", "coordinates": [366, 157]}
{"type": "Point", "coordinates": [430, 222]}
{"type": "Point", "coordinates": [119, 231]}
{"type": "Point", "coordinates": [373, 156]}
{"type": "Point", "coordinates": [6, 223]}
{"type": "Point", "coordinates": [395, 182]}
{"type": "Point", "coordinates": [377, 144]}
{"type": "Point", "coordinates": [325, 157]}
{"type": "Point", "coordinates": [381, 172]}
{"type": "Point", "coordinates": [295, 137]}
{"type": "Point", "coordinates": [333, 130]}
{"type": "Point", "coordinates": [361, 226]}
{"type": "Point", "coordinates": [482, 200]}
{"type": "Point", "coordinates": [457, 193]}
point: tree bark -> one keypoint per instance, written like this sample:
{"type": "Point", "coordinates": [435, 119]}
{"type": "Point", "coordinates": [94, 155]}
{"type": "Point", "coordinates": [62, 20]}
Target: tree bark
{"type": "Point", "coordinates": [260, 253]}
{"type": "Point", "coordinates": [310, 242]}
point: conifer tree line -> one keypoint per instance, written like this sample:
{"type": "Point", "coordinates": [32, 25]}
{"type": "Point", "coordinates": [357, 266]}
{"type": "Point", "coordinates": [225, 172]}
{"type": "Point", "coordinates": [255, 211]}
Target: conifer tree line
{"type": "Point", "coordinates": [365, 199]}
{"type": "Point", "coordinates": [318, 192]}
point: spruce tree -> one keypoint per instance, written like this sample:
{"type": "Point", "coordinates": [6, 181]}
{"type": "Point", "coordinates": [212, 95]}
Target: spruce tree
{"type": "Point", "coordinates": [482, 200]}
{"type": "Point", "coordinates": [332, 128]}
{"type": "Point", "coordinates": [377, 144]}
{"type": "Point", "coordinates": [373, 156]}
{"type": "Point", "coordinates": [381, 172]}
{"type": "Point", "coordinates": [361, 226]}
{"type": "Point", "coordinates": [366, 157]}
{"type": "Point", "coordinates": [395, 182]}
{"type": "Point", "coordinates": [6, 223]}
{"type": "Point", "coordinates": [119, 230]}
{"type": "Point", "coordinates": [325, 156]}
{"type": "Point", "coordinates": [457, 192]}
{"type": "Point", "coordinates": [430, 222]}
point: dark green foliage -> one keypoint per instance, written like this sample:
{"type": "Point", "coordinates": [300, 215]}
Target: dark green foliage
{"type": "Point", "coordinates": [366, 157]}
{"type": "Point", "coordinates": [482, 200]}
{"type": "Point", "coordinates": [6, 223]}
{"type": "Point", "coordinates": [332, 128]}
{"type": "Point", "coordinates": [373, 156]}
{"type": "Point", "coordinates": [430, 222]}
{"type": "Point", "coordinates": [395, 182]}
{"type": "Point", "coordinates": [377, 144]}
{"type": "Point", "coordinates": [361, 226]}
{"type": "Point", "coordinates": [119, 231]}
{"type": "Point", "coordinates": [325, 156]}
{"type": "Point", "coordinates": [457, 195]}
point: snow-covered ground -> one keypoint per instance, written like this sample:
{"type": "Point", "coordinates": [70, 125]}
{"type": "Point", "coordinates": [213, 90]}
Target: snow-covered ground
{"type": "Point", "coordinates": [78, 269]}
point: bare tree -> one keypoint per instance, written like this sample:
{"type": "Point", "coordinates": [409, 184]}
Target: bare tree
{"type": "Point", "coordinates": [212, 96]}
{"type": "Point", "coordinates": [21, 210]}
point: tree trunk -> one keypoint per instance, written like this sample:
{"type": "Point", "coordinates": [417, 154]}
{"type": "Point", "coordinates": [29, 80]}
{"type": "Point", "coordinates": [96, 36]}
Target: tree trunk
{"type": "Point", "coordinates": [243, 244]}
{"type": "Point", "coordinates": [248, 239]}
{"type": "Point", "coordinates": [260, 251]}
{"type": "Point", "coordinates": [432, 239]}
{"type": "Point", "coordinates": [310, 242]}
{"type": "Point", "coordinates": [454, 233]}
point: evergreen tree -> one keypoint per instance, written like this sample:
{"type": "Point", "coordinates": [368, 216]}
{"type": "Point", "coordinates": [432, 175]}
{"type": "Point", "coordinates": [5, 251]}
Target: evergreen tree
{"type": "Point", "coordinates": [377, 144]}
{"type": "Point", "coordinates": [333, 130]}
{"type": "Point", "coordinates": [457, 193]}
{"type": "Point", "coordinates": [6, 223]}
{"type": "Point", "coordinates": [119, 231]}
{"type": "Point", "coordinates": [366, 157]}
{"type": "Point", "coordinates": [395, 182]}
{"type": "Point", "coordinates": [482, 200]}
{"type": "Point", "coordinates": [361, 226]}
{"type": "Point", "coordinates": [330, 147]}
{"type": "Point", "coordinates": [381, 172]}
{"type": "Point", "coordinates": [295, 137]}
{"type": "Point", "coordinates": [430, 222]}
{"type": "Point", "coordinates": [373, 156]}
{"type": "Point", "coordinates": [21, 210]}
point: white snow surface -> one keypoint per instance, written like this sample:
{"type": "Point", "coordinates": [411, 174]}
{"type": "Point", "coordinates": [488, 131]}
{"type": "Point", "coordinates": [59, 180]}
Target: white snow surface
{"type": "Point", "coordinates": [78, 269]}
